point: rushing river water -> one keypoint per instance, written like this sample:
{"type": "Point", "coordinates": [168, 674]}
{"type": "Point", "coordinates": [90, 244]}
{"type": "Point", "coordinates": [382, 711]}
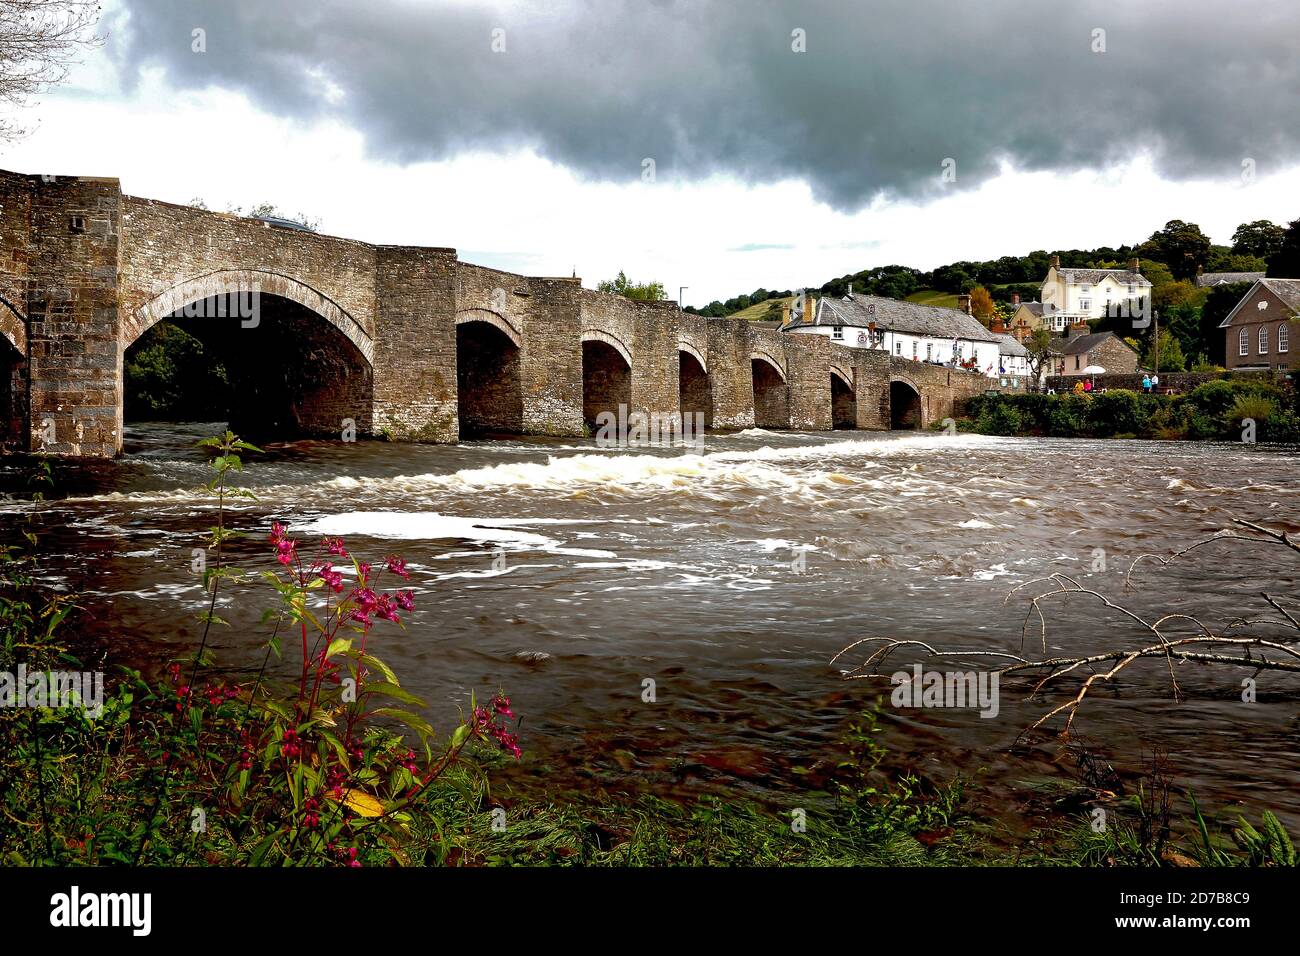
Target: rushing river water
{"type": "Point", "coordinates": [568, 575]}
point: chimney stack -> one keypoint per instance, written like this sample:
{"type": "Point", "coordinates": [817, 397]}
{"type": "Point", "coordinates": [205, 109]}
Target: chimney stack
{"type": "Point", "coordinates": [1200, 270]}
{"type": "Point", "coordinates": [1015, 299]}
{"type": "Point", "coordinates": [963, 303]}
{"type": "Point", "coordinates": [1056, 262]}
{"type": "Point", "coordinates": [1075, 331]}
{"type": "Point", "coordinates": [1134, 265]}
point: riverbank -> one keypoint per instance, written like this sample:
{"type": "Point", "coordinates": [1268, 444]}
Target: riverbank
{"type": "Point", "coordinates": [1225, 410]}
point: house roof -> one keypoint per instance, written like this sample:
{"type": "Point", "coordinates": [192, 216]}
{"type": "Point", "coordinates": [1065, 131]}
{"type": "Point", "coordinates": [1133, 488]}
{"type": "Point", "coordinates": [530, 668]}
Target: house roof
{"type": "Point", "coordinates": [859, 311]}
{"type": "Point", "coordinates": [1225, 278]}
{"type": "Point", "coordinates": [1035, 308]}
{"type": "Point", "coordinates": [1122, 276]}
{"type": "Point", "coordinates": [1082, 344]}
{"type": "Point", "coordinates": [1287, 290]}
{"type": "Point", "coordinates": [1007, 345]}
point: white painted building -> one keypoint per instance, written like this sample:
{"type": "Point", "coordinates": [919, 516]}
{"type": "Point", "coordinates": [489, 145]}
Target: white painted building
{"type": "Point", "coordinates": [1013, 356]}
{"type": "Point", "coordinates": [922, 333]}
{"type": "Point", "coordinates": [1074, 296]}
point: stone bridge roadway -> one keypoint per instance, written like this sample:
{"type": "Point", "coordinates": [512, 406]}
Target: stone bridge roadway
{"type": "Point", "coordinates": [406, 342]}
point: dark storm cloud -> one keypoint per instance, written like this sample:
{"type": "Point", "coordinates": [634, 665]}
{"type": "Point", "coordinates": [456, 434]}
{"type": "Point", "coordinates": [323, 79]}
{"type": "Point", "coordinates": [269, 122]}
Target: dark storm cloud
{"type": "Point", "coordinates": [884, 93]}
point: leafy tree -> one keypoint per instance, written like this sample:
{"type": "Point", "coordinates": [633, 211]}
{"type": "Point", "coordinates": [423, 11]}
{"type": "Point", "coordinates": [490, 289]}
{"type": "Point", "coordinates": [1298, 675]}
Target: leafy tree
{"type": "Point", "coordinates": [1285, 262]}
{"type": "Point", "coordinates": [1221, 300]}
{"type": "Point", "coordinates": [644, 291]}
{"type": "Point", "coordinates": [1171, 353]}
{"type": "Point", "coordinates": [1260, 238]}
{"type": "Point", "coordinates": [1179, 245]}
{"type": "Point", "coordinates": [1039, 346]}
{"type": "Point", "coordinates": [1175, 294]}
{"type": "Point", "coordinates": [981, 304]}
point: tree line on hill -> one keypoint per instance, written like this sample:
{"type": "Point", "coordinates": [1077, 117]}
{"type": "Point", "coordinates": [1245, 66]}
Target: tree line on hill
{"type": "Point", "coordinates": [1170, 260]}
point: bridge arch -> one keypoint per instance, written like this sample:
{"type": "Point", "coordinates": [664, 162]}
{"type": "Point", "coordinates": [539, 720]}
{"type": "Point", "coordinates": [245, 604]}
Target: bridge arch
{"type": "Point", "coordinates": [496, 320]}
{"type": "Point", "coordinates": [844, 399]}
{"type": "Point", "coordinates": [694, 387]}
{"type": "Point", "coordinates": [684, 344]}
{"type": "Point", "coordinates": [272, 355]}
{"type": "Point", "coordinates": [610, 339]}
{"type": "Point", "coordinates": [489, 374]}
{"type": "Point", "coordinates": [771, 393]}
{"type": "Point", "coordinates": [906, 407]}
{"type": "Point", "coordinates": [226, 282]}
{"type": "Point", "coordinates": [606, 375]}
{"type": "Point", "coordinates": [13, 376]}
{"type": "Point", "coordinates": [761, 355]}
{"type": "Point", "coordinates": [13, 326]}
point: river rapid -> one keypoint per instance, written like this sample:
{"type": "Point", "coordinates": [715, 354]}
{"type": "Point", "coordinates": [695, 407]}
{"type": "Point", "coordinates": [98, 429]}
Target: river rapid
{"type": "Point", "coordinates": [569, 575]}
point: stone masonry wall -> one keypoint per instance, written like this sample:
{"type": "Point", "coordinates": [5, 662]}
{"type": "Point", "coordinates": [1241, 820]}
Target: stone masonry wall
{"type": "Point", "coordinates": [73, 321]}
{"type": "Point", "coordinates": [415, 344]}
{"type": "Point", "coordinates": [165, 244]}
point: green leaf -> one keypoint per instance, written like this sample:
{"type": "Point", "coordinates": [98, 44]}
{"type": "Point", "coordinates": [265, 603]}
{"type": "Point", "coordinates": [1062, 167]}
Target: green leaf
{"type": "Point", "coordinates": [416, 723]}
{"type": "Point", "coordinates": [388, 689]}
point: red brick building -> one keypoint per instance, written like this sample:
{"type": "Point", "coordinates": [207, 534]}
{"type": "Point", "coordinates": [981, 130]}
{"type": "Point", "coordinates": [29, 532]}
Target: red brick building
{"type": "Point", "coordinates": [1261, 328]}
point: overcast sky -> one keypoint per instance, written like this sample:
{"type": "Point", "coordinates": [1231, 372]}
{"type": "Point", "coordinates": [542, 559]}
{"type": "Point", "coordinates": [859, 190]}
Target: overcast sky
{"type": "Point", "coordinates": [519, 132]}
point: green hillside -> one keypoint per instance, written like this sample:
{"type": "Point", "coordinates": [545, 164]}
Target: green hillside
{"type": "Point", "coordinates": [945, 300]}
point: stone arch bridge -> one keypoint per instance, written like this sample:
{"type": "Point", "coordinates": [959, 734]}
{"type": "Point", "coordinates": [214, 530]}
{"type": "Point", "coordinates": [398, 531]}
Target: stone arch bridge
{"type": "Point", "coordinates": [405, 342]}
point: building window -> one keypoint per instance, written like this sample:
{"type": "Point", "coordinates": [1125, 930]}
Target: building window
{"type": "Point", "coordinates": [929, 351]}
{"type": "Point", "coordinates": [837, 331]}
{"type": "Point", "coordinates": [1243, 343]}
{"type": "Point", "coordinates": [1085, 288]}
{"type": "Point", "coordinates": [1263, 340]}
{"type": "Point", "coordinates": [1085, 304]}
{"type": "Point", "coordinates": [898, 347]}
{"type": "Point", "coordinates": [1283, 337]}
{"type": "Point", "coordinates": [1131, 288]}
{"type": "Point", "coordinates": [916, 349]}
{"type": "Point", "coordinates": [1076, 362]}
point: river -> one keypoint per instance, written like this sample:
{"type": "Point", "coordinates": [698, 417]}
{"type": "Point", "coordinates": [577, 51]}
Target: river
{"type": "Point", "coordinates": [569, 575]}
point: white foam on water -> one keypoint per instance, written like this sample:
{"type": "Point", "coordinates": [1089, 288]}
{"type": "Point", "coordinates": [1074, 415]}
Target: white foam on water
{"type": "Point", "coordinates": [432, 526]}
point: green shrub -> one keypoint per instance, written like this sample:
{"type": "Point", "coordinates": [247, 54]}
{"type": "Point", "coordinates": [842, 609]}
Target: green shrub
{"type": "Point", "coordinates": [1069, 417]}
{"type": "Point", "coordinates": [1000, 418]}
{"type": "Point", "coordinates": [1114, 411]}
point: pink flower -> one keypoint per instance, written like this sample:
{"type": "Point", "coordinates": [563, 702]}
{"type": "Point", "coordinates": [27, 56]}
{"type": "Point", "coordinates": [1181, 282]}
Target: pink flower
{"type": "Point", "coordinates": [335, 547]}
{"type": "Point", "coordinates": [333, 579]}
{"type": "Point", "coordinates": [406, 600]}
{"type": "Point", "coordinates": [398, 567]}
{"type": "Point", "coordinates": [385, 610]}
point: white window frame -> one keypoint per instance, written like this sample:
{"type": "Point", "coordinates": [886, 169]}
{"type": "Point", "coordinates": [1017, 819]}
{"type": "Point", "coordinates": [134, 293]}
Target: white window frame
{"type": "Point", "coordinates": [1243, 342]}
{"type": "Point", "coordinates": [929, 351]}
{"type": "Point", "coordinates": [898, 347]}
{"type": "Point", "coordinates": [1085, 304]}
{"type": "Point", "coordinates": [1263, 340]}
{"type": "Point", "coordinates": [1284, 337]}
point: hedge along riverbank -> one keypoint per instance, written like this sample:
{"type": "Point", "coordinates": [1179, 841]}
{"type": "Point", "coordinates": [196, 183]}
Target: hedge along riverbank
{"type": "Point", "coordinates": [1218, 410]}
